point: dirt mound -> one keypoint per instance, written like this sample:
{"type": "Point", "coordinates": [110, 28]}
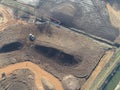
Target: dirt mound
{"type": "Point", "coordinates": [18, 86]}
{"type": "Point", "coordinates": [71, 83]}
{"type": "Point", "coordinates": [38, 74]}
{"type": "Point", "coordinates": [18, 80]}
{"type": "Point", "coordinates": [58, 50]}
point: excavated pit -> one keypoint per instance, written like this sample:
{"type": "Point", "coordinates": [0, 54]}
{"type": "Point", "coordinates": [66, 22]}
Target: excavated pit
{"type": "Point", "coordinates": [56, 55]}
{"type": "Point", "coordinates": [11, 47]}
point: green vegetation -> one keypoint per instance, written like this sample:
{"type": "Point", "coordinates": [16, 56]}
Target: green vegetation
{"type": "Point", "coordinates": [114, 81]}
{"type": "Point", "coordinates": [106, 71]}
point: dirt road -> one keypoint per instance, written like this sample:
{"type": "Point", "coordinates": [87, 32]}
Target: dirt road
{"type": "Point", "coordinates": [98, 69]}
{"type": "Point", "coordinates": [39, 73]}
{"type": "Point", "coordinates": [8, 19]}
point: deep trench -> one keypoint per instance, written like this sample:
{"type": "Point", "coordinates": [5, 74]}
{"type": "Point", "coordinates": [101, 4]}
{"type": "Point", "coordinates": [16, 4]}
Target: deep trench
{"type": "Point", "coordinates": [11, 47]}
{"type": "Point", "coordinates": [57, 56]}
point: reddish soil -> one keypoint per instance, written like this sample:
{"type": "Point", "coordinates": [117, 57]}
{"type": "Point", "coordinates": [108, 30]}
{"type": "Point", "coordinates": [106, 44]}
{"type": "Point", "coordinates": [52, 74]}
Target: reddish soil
{"type": "Point", "coordinates": [57, 50]}
{"type": "Point", "coordinates": [39, 73]}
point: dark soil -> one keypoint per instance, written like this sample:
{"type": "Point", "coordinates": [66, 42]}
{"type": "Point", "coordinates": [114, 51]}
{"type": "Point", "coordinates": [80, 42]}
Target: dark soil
{"type": "Point", "coordinates": [58, 50]}
{"type": "Point", "coordinates": [11, 47]}
{"type": "Point", "coordinates": [57, 55]}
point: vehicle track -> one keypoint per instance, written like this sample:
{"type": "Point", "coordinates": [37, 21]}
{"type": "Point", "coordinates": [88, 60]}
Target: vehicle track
{"type": "Point", "coordinates": [106, 58]}
{"type": "Point", "coordinates": [38, 72]}
{"type": "Point", "coordinates": [8, 19]}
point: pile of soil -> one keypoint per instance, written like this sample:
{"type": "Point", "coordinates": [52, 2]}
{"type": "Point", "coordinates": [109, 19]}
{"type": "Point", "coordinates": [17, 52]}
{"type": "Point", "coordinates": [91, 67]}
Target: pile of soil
{"type": "Point", "coordinates": [57, 50]}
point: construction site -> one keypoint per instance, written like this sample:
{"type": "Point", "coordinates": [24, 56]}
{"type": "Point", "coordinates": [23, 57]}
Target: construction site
{"type": "Point", "coordinates": [56, 44]}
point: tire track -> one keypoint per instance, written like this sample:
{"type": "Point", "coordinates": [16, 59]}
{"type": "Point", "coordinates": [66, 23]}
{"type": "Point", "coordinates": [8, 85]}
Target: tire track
{"type": "Point", "coordinates": [38, 72]}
